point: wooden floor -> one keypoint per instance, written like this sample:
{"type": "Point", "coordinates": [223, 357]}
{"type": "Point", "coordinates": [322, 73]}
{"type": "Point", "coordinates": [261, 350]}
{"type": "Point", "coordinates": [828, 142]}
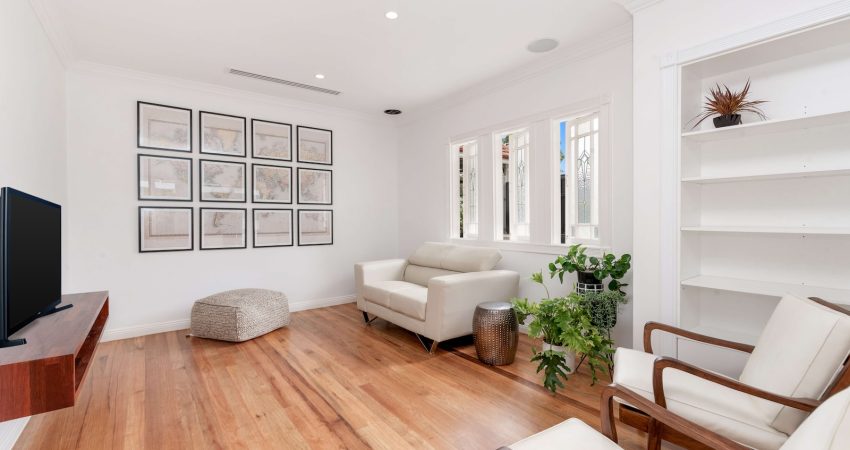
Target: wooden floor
{"type": "Point", "coordinates": [326, 381]}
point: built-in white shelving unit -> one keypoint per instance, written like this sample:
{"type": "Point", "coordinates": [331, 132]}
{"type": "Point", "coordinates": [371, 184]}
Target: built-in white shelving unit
{"type": "Point", "coordinates": [763, 207]}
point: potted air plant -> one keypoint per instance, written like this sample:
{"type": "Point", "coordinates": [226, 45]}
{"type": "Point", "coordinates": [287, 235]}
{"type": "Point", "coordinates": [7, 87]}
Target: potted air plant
{"type": "Point", "coordinates": [728, 105]}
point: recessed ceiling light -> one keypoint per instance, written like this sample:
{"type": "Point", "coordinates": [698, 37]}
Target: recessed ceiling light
{"type": "Point", "coordinates": [320, 76]}
{"type": "Point", "coordinates": [542, 45]}
{"type": "Point", "coordinates": [392, 15]}
{"type": "Point", "coordinates": [392, 112]}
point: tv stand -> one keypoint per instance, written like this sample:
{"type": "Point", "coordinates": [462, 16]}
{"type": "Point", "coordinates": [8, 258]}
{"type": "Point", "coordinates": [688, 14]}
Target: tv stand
{"type": "Point", "coordinates": [47, 373]}
{"type": "Point", "coordinates": [55, 310]}
{"type": "Point", "coordinates": [11, 342]}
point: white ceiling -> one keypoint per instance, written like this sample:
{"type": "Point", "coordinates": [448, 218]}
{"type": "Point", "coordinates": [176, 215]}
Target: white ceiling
{"type": "Point", "coordinates": [435, 49]}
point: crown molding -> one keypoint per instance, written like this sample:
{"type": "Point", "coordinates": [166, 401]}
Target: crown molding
{"type": "Point", "coordinates": [98, 69]}
{"type": "Point", "coordinates": [56, 33]}
{"type": "Point", "coordinates": [633, 6]}
{"type": "Point", "coordinates": [579, 51]}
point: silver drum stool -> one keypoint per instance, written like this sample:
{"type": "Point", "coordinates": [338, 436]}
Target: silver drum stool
{"type": "Point", "coordinates": [494, 330]}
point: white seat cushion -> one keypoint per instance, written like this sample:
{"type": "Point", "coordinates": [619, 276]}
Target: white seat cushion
{"type": "Point", "coordinates": [828, 428]}
{"type": "Point", "coordinates": [458, 258]}
{"type": "Point", "coordinates": [798, 354]}
{"type": "Point", "coordinates": [400, 296]}
{"type": "Point", "coordinates": [569, 434]}
{"type": "Point", "coordinates": [733, 414]}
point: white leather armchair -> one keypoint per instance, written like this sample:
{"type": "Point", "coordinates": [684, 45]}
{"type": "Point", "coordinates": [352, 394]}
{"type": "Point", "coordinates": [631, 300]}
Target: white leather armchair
{"type": "Point", "coordinates": [434, 292]}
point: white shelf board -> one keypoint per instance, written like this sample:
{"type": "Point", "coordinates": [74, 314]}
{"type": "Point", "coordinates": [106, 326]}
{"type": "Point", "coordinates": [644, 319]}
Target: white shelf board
{"type": "Point", "coordinates": [722, 333]}
{"type": "Point", "coordinates": [768, 127]}
{"type": "Point", "coordinates": [770, 230]}
{"type": "Point", "coordinates": [769, 288]}
{"type": "Point", "coordinates": [766, 176]}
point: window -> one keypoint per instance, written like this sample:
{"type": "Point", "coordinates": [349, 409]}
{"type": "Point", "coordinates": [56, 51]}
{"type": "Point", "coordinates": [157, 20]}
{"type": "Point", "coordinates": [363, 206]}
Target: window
{"type": "Point", "coordinates": [465, 190]}
{"type": "Point", "coordinates": [512, 151]}
{"type": "Point", "coordinates": [578, 153]}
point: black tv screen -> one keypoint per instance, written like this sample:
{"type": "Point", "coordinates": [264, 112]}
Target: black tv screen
{"type": "Point", "coordinates": [30, 258]}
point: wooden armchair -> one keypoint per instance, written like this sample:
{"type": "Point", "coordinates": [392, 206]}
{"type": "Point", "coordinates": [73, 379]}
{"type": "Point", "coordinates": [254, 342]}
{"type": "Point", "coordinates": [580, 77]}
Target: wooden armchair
{"type": "Point", "coordinates": [825, 429]}
{"type": "Point", "coordinates": [800, 360]}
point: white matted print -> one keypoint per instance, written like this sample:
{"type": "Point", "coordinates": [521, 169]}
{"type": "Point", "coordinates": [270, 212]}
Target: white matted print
{"type": "Point", "coordinates": [165, 178]}
{"type": "Point", "coordinates": [165, 229]}
{"type": "Point", "coordinates": [315, 227]}
{"type": "Point", "coordinates": [223, 228]}
{"type": "Point", "coordinates": [163, 127]}
{"type": "Point", "coordinates": [272, 184]}
{"type": "Point", "coordinates": [315, 145]}
{"type": "Point", "coordinates": [222, 181]}
{"type": "Point", "coordinates": [271, 140]}
{"type": "Point", "coordinates": [222, 134]}
{"type": "Point", "coordinates": [315, 186]}
{"type": "Point", "coordinates": [273, 228]}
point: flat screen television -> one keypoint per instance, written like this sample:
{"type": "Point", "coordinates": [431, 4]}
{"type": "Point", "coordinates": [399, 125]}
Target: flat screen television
{"type": "Point", "coordinates": [30, 260]}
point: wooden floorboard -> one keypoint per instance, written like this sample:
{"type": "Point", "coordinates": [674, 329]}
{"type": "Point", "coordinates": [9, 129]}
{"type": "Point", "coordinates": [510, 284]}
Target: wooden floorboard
{"type": "Point", "coordinates": [325, 381]}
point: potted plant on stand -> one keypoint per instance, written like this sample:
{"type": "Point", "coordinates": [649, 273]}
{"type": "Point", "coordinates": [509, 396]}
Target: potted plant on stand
{"type": "Point", "coordinates": [728, 105]}
{"type": "Point", "coordinates": [591, 271]}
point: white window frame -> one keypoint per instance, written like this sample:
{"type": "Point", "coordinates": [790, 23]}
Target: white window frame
{"type": "Point", "coordinates": [519, 232]}
{"type": "Point", "coordinates": [599, 191]}
{"type": "Point", "coordinates": [471, 229]}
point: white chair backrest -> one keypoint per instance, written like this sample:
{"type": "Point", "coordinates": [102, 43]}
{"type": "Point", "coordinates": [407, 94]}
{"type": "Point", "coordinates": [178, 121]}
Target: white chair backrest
{"type": "Point", "coordinates": [828, 428]}
{"type": "Point", "coordinates": [798, 354]}
{"type": "Point", "coordinates": [434, 259]}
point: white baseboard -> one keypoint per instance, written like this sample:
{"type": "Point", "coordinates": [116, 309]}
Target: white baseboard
{"type": "Point", "coordinates": [10, 431]}
{"type": "Point", "coordinates": [114, 334]}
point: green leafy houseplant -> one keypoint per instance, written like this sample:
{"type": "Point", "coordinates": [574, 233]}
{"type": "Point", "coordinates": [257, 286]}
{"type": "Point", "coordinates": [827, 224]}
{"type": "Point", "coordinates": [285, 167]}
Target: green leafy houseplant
{"type": "Point", "coordinates": [564, 321]}
{"type": "Point", "coordinates": [602, 268]}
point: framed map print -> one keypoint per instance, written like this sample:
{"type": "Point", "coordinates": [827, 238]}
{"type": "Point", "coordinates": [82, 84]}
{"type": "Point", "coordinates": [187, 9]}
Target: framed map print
{"type": "Point", "coordinates": [315, 145]}
{"type": "Point", "coordinates": [165, 229]}
{"type": "Point", "coordinates": [222, 181]}
{"type": "Point", "coordinates": [273, 228]}
{"type": "Point", "coordinates": [165, 178]}
{"type": "Point", "coordinates": [162, 127]}
{"type": "Point", "coordinates": [223, 228]}
{"type": "Point", "coordinates": [315, 227]}
{"type": "Point", "coordinates": [315, 186]}
{"type": "Point", "coordinates": [222, 134]}
{"type": "Point", "coordinates": [271, 140]}
{"type": "Point", "coordinates": [272, 184]}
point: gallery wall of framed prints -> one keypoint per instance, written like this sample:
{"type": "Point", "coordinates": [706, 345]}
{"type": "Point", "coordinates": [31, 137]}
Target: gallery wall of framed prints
{"type": "Point", "coordinates": [287, 202]}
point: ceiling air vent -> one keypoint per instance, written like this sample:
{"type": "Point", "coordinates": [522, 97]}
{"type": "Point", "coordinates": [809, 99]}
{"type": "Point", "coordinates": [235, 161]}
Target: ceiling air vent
{"type": "Point", "coordinates": [282, 81]}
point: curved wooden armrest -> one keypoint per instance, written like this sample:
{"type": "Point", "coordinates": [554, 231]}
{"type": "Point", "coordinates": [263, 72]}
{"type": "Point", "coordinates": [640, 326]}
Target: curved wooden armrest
{"type": "Point", "coordinates": [803, 404]}
{"type": "Point", "coordinates": [650, 326]}
{"type": "Point", "coordinates": [660, 414]}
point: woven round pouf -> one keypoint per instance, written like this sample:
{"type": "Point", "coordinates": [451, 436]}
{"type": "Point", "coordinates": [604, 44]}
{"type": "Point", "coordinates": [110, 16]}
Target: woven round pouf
{"type": "Point", "coordinates": [494, 329]}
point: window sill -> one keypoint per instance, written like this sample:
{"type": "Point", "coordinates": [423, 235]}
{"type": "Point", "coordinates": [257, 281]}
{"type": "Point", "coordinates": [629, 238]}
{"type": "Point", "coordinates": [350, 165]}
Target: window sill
{"type": "Point", "coordinates": [528, 247]}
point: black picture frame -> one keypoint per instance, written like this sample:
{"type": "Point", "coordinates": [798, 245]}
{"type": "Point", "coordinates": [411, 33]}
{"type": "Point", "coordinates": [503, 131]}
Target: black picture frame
{"type": "Point", "coordinates": [201, 228]}
{"type": "Point", "coordinates": [253, 140]}
{"type": "Point", "coordinates": [298, 145]}
{"type": "Point", "coordinates": [201, 180]}
{"type": "Point", "coordinates": [292, 230]}
{"type": "Point", "coordinates": [191, 229]}
{"type": "Point", "coordinates": [139, 179]}
{"type": "Point", "coordinates": [254, 187]}
{"type": "Point", "coordinates": [298, 186]}
{"type": "Point", "coordinates": [201, 115]}
{"type": "Point", "coordinates": [159, 105]}
{"type": "Point", "coordinates": [330, 211]}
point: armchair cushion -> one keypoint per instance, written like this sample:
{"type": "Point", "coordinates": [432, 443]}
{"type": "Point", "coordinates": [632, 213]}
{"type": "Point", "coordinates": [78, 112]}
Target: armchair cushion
{"type": "Point", "coordinates": [457, 258]}
{"type": "Point", "coordinates": [400, 296]}
{"type": "Point", "coordinates": [725, 411]}
{"type": "Point", "coordinates": [569, 434]}
{"type": "Point", "coordinates": [801, 363]}
{"type": "Point", "coordinates": [422, 274]}
{"type": "Point", "coordinates": [827, 428]}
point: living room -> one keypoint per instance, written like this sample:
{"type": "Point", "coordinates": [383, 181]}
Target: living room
{"type": "Point", "coordinates": [402, 224]}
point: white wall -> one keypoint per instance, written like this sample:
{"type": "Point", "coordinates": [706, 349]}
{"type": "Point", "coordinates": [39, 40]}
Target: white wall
{"type": "Point", "coordinates": [155, 291]}
{"type": "Point", "coordinates": [423, 155]}
{"type": "Point", "coordinates": [32, 121]}
{"type": "Point", "coordinates": [665, 27]}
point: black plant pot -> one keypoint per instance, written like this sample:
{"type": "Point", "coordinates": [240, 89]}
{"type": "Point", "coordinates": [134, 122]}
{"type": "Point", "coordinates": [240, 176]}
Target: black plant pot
{"type": "Point", "coordinates": [587, 278]}
{"type": "Point", "coordinates": [727, 120]}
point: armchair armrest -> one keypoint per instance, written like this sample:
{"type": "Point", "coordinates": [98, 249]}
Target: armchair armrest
{"type": "Point", "coordinates": [803, 404]}
{"type": "Point", "coordinates": [369, 272]}
{"type": "Point", "coordinates": [452, 299]}
{"type": "Point", "coordinates": [660, 414]}
{"type": "Point", "coordinates": [651, 326]}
